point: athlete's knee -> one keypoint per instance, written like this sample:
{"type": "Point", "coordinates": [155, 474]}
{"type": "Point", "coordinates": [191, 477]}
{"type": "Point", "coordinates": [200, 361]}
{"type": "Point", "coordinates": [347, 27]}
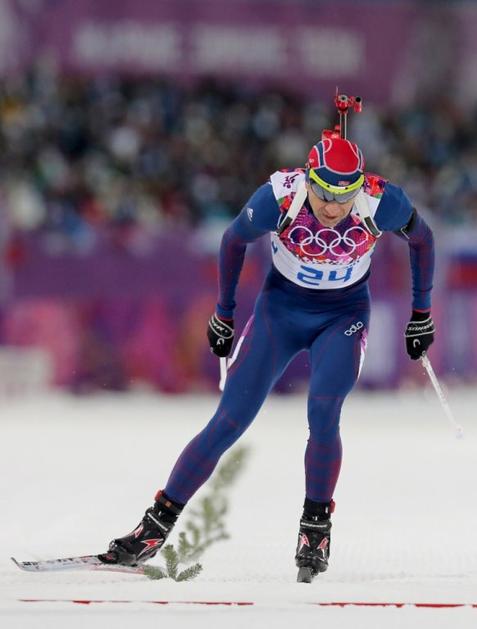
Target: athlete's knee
{"type": "Point", "coordinates": [324, 417]}
{"type": "Point", "coordinates": [223, 431]}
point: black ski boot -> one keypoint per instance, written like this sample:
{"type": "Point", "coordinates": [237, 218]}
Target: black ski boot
{"type": "Point", "coordinates": [148, 537]}
{"type": "Point", "coordinates": [313, 547]}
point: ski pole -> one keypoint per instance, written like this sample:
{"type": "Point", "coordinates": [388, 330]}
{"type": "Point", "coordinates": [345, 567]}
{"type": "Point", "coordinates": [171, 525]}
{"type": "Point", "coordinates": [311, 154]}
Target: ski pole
{"type": "Point", "coordinates": [223, 373]}
{"type": "Point", "coordinates": [459, 431]}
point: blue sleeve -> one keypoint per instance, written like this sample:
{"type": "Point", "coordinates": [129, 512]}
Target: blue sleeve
{"type": "Point", "coordinates": [394, 212]}
{"type": "Point", "coordinates": [394, 209]}
{"type": "Point", "coordinates": [258, 216]}
{"type": "Point", "coordinates": [421, 253]}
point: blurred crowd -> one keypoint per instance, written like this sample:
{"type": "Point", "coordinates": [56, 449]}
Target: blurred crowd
{"type": "Point", "coordinates": [79, 156]}
{"type": "Point", "coordinates": [92, 165]}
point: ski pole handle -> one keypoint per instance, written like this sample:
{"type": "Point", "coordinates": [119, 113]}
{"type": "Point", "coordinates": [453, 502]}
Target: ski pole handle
{"type": "Point", "coordinates": [459, 431]}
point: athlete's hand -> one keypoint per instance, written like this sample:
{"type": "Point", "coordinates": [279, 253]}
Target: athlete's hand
{"type": "Point", "coordinates": [419, 334]}
{"type": "Point", "coordinates": [221, 335]}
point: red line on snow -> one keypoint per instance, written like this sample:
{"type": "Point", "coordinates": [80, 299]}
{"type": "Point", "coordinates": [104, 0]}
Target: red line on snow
{"type": "Point", "coordinates": [248, 603]}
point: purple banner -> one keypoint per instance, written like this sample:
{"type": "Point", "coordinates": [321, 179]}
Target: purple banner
{"type": "Point", "coordinates": [382, 50]}
{"type": "Point", "coordinates": [119, 318]}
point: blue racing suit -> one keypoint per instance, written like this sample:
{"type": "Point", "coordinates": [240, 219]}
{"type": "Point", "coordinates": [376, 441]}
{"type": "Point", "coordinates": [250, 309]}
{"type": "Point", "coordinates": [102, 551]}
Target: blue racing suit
{"type": "Point", "coordinates": [315, 298]}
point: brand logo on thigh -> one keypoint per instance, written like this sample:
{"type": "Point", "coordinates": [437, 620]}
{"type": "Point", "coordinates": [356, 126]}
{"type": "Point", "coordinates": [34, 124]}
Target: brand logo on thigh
{"type": "Point", "coordinates": [354, 328]}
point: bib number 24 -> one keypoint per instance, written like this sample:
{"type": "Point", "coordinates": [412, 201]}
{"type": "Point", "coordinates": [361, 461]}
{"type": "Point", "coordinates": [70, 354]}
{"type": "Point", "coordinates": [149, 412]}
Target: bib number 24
{"type": "Point", "coordinates": [310, 275]}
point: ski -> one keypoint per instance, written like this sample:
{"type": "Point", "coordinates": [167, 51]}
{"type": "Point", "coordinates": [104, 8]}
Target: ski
{"type": "Point", "coordinates": [86, 562]}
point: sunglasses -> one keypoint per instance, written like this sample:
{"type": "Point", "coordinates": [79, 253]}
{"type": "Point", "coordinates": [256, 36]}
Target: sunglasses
{"type": "Point", "coordinates": [327, 192]}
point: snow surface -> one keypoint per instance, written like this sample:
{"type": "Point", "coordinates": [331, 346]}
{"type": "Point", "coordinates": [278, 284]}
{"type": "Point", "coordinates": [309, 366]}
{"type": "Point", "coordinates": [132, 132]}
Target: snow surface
{"type": "Point", "coordinates": [77, 472]}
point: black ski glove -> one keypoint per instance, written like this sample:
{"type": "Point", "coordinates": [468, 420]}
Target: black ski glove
{"type": "Point", "coordinates": [419, 334]}
{"type": "Point", "coordinates": [221, 335]}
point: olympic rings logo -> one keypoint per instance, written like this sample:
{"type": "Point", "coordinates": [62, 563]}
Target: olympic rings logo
{"type": "Point", "coordinates": [328, 240]}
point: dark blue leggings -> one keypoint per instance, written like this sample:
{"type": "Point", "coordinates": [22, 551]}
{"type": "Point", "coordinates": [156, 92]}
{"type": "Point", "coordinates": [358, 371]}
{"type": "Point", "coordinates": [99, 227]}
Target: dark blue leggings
{"type": "Point", "coordinates": [332, 326]}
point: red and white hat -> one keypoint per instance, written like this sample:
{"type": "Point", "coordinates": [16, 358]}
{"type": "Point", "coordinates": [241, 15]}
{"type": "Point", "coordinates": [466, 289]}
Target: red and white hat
{"type": "Point", "coordinates": [336, 165]}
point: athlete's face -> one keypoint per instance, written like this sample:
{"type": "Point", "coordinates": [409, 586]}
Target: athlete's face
{"type": "Point", "coordinates": [329, 213]}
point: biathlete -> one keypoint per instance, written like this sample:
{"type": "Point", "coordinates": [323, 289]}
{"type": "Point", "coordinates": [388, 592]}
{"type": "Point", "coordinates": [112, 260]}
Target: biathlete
{"type": "Point", "coordinates": [324, 221]}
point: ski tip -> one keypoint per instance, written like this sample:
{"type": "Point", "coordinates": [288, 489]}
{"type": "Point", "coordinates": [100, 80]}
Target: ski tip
{"type": "Point", "coordinates": [17, 563]}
